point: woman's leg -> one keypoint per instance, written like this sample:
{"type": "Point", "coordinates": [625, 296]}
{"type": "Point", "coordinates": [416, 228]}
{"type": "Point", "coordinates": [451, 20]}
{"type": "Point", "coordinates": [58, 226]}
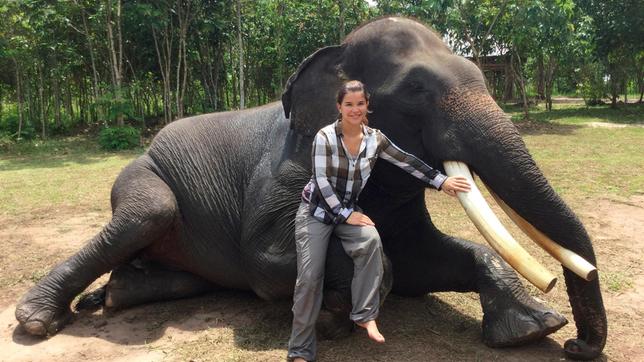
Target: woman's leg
{"type": "Point", "coordinates": [312, 240]}
{"type": "Point", "coordinates": [363, 245]}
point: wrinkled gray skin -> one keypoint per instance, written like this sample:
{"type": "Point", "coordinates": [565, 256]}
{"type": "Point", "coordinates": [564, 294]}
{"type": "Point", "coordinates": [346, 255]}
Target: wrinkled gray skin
{"type": "Point", "coordinates": [212, 202]}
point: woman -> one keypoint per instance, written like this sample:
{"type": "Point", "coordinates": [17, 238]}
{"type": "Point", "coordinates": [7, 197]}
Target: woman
{"type": "Point", "coordinates": [344, 154]}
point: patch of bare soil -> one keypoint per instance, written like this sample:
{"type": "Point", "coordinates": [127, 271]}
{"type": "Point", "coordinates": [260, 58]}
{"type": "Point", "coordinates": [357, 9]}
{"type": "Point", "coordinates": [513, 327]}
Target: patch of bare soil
{"type": "Point", "coordinates": [230, 325]}
{"type": "Point", "coordinates": [612, 125]}
{"type": "Point", "coordinates": [617, 226]}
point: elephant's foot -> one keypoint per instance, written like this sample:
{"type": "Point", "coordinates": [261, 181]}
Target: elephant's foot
{"type": "Point", "coordinates": [520, 324]}
{"type": "Point", "coordinates": [578, 349]}
{"type": "Point", "coordinates": [333, 321]}
{"type": "Point", "coordinates": [40, 316]}
{"type": "Point", "coordinates": [332, 325]}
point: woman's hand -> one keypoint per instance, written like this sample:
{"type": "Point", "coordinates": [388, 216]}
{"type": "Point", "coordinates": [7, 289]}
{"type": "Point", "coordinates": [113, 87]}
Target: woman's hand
{"type": "Point", "coordinates": [360, 219]}
{"type": "Point", "coordinates": [455, 184]}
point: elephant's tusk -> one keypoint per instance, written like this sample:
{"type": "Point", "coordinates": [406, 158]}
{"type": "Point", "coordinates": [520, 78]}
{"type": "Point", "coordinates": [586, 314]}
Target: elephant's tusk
{"type": "Point", "coordinates": [496, 235]}
{"type": "Point", "coordinates": [567, 258]}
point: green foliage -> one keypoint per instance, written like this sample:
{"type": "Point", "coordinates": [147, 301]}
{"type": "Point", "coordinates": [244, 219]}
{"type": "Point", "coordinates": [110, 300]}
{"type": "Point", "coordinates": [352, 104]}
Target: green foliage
{"type": "Point", "coordinates": [9, 128]}
{"type": "Point", "coordinates": [59, 65]}
{"type": "Point", "coordinates": [592, 86]}
{"type": "Point", "coordinates": [116, 104]}
{"type": "Point", "coordinates": [6, 142]}
{"type": "Point", "coordinates": [119, 138]}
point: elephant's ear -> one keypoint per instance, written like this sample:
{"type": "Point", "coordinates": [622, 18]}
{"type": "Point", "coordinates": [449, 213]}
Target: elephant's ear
{"type": "Point", "coordinates": [309, 96]}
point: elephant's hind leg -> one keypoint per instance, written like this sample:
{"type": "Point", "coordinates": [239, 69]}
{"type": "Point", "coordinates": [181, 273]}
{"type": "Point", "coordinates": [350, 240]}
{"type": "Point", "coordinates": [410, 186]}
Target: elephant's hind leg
{"type": "Point", "coordinates": [141, 282]}
{"type": "Point", "coordinates": [144, 211]}
{"type": "Point", "coordinates": [133, 284]}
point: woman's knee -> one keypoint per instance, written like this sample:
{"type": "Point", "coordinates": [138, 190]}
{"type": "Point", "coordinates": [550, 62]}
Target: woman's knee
{"type": "Point", "coordinates": [367, 243]}
{"type": "Point", "coordinates": [371, 237]}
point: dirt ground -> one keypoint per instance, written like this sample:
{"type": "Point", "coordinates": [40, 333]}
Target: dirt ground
{"type": "Point", "coordinates": [232, 326]}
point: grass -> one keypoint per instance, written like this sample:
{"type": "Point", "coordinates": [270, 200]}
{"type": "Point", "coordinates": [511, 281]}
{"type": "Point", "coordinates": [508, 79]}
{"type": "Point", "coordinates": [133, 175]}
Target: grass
{"type": "Point", "coordinates": [68, 172]}
{"type": "Point", "coordinates": [575, 114]}
{"type": "Point", "coordinates": [617, 281]}
{"type": "Point", "coordinates": [591, 161]}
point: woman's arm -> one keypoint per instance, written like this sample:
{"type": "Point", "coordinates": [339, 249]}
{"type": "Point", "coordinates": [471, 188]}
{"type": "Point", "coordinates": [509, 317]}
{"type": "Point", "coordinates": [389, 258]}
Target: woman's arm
{"type": "Point", "coordinates": [321, 160]}
{"type": "Point", "coordinates": [409, 163]}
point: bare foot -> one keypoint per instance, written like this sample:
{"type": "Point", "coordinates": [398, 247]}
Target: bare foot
{"type": "Point", "coordinates": [372, 331]}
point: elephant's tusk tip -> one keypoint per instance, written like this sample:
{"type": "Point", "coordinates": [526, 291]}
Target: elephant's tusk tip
{"type": "Point", "coordinates": [550, 285]}
{"type": "Point", "coordinates": [592, 275]}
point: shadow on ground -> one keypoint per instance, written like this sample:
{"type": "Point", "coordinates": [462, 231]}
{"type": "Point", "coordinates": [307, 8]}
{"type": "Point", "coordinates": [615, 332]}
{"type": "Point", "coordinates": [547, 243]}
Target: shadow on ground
{"type": "Point", "coordinates": [623, 114]}
{"type": "Point", "coordinates": [533, 128]}
{"type": "Point", "coordinates": [417, 329]}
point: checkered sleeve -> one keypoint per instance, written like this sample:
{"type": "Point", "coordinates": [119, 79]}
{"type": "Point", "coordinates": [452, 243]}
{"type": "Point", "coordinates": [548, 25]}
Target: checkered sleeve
{"type": "Point", "coordinates": [322, 155]}
{"type": "Point", "coordinates": [409, 163]}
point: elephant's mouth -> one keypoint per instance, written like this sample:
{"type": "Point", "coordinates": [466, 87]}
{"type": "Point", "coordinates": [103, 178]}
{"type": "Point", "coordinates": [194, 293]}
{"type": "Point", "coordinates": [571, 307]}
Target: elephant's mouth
{"type": "Point", "coordinates": [500, 239]}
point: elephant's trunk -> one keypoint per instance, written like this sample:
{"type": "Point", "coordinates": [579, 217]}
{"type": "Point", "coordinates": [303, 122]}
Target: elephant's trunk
{"type": "Point", "coordinates": [496, 152]}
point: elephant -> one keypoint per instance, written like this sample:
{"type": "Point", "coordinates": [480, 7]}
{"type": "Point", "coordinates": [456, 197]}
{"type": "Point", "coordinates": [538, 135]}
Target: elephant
{"type": "Point", "coordinates": [211, 203]}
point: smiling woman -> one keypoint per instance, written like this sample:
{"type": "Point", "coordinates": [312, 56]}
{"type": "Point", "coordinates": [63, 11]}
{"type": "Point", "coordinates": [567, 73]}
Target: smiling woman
{"type": "Point", "coordinates": [344, 153]}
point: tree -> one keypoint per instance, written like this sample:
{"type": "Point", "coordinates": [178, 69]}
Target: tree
{"type": "Point", "coordinates": [618, 30]}
{"type": "Point", "coordinates": [240, 50]}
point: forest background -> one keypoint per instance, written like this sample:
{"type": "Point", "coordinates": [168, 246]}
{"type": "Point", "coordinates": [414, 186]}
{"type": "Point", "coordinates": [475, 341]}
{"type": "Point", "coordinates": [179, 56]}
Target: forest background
{"type": "Point", "coordinates": [76, 66]}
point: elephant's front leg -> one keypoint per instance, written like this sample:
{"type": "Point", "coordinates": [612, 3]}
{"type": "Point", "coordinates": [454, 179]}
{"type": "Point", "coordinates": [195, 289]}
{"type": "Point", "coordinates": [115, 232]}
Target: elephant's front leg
{"type": "Point", "coordinates": [426, 260]}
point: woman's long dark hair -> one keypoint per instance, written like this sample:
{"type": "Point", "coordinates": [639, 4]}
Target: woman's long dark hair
{"type": "Point", "coordinates": [352, 86]}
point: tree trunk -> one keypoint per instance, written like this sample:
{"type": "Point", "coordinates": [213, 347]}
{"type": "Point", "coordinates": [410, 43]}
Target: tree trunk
{"type": "Point", "coordinates": [92, 57]}
{"type": "Point", "coordinates": [234, 80]}
{"type": "Point", "coordinates": [549, 80]}
{"type": "Point", "coordinates": [116, 58]}
{"type": "Point", "coordinates": [41, 91]}
{"type": "Point", "coordinates": [164, 56]}
{"type": "Point", "coordinates": [1, 104]}
{"type": "Point", "coordinates": [57, 102]}
{"type": "Point", "coordinates": [640, 79]}
{"type": "Point", "coordinates": [205, 62]}
{"type": "Point", "coordinates": [184, 17]}
{"type": "Point", "coordinates": [69, 107]}
{"type": "Point", "coordinates": [218, 63]}
{"type": "Point", "coordinates": [81, 100]}
{"type": "Point", "coordinates": [281, 56]}
{"type": "Point", "coordinates": [613, 91]}
{"type": "Point", "coordinates": [19, 99]}
{"type": "Point", "coordinates": [508, 81]}
{"type": "Point", "coordinates": [518, 72]}
{"type": "Point", "coordinates": [541, 91]}
{"type": "Point", "coordinates": [30, 101]}
{"type": "Point", "coordinates": [341, 31]}
{"type": "Point", "coordinates": [242, 104]}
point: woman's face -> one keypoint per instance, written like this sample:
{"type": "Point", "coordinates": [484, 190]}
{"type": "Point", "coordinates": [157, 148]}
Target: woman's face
{"type": "Point", "coordinates": [353, 108]}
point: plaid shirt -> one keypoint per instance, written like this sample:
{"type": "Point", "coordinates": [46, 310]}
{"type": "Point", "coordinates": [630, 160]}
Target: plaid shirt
{"type": "Point", "coordinates": [338, 177]}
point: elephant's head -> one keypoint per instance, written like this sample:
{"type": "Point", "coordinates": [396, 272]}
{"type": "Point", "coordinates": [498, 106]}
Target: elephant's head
{"type": "Point", "coordinates": [435, 105]}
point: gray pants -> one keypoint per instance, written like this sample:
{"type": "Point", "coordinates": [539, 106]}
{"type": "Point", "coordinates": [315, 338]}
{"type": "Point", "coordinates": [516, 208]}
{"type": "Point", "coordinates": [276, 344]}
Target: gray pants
{"type": "Point", "coordinates": [362, 244]}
